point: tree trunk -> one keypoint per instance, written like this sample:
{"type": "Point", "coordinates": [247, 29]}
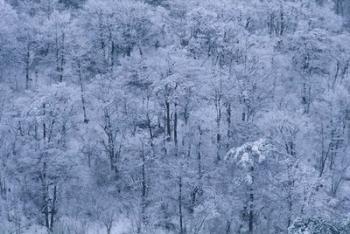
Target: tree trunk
{"type": "Point", "coordinates": [53, 210]}
{"type": "Point", "coordinates": [199, 154]}
{"type": "Point", "coordinates": [44, 124]}
{"type": "Point", "coordinates": [86, 120]}
{"type": "Point", "coordinates": [282, 23]}
{"type": "Point", "coordinates": [45, 197]}
{"type": "Point", "coordinates": [218, 124]}
{"type": "Point", "coordinates": [62, 59]}
{"type": "Point", "coordinates": [149, 125]}
{"type": "Point", "coordinates": [180, 206]}
{"type": "Point", "coordinates": [228, 120]}
{"type": "Point", "coordinates": [290, 149]}
{"type": "Point", "coordinates": [109, 229]}
{"type": "Point", "coordinates": [110, 145]}
{"type": "Point", "coordinates": [175, 125]}
{"type": "Point", "coordinates": [144, 190]}
{"type": "Point", "coordinates": [27, 62]}
{"type": "Point", "coordinates": [251, 205]}
{"type": "Point", "coordinates": [228, 227]}
{"type": "Point", "coordinates": [101, 37]}
{"type": "Point", "coordinates": [290, 208]}
{"type": "Point", "coordinates": [167, 106]}
{"type": "Point", "coordinates": [112, 55]}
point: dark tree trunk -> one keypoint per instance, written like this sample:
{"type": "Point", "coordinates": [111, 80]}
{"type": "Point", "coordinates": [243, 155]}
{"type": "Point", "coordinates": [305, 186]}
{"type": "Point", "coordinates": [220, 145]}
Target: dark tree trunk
{"type": "Point", "coordinates": [45, 197]}
{"type": "Point", "coordinates": [112, 55]}
{"type": "Point", "coordinates": [228, 227]}
{"type": "Point", "coordinates": [53, 210]}
{"type": "Point", "coordinates": [144, 190]}
{"type": "Point", "coordinates": [44, 124]}
{"type": "Point", "coordinates": [228, 120]}
{"type": "Point", "coordinates": [175, 125]}
{"type": "Point", "coordinates": [62, 60]}
{"type": "Point", "coordinates": [86, 120]}
{"type": "Point", "coordinates": [218, 124]}
{"type": "Point", "coordinates": [251, 205]}
{"type": "Point", "coordinates": [27, 62]}
{"type": "Point", "coordinates": [282, 28]}
{"type": "Point", "coordinates": [109, 229]}
{"type": "Point", "coordinates": [199, 154]}
{"type": "Point", "coordinates": [167, 106]}
{"type": "Point", "coordinates": [180, 207]}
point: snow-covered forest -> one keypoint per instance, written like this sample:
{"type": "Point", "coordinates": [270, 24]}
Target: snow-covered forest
{"type": "Point", "coordinates": [175, 116]}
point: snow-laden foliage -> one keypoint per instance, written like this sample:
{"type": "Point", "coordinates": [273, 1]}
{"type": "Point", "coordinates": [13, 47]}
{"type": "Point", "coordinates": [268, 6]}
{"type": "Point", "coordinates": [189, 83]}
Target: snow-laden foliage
{"type": "Point", "coordinates": [174, 116]}
{"type": "Point", "coordinates": [250, 153]}
{"type": "Point", "coordinates": [317, 226]}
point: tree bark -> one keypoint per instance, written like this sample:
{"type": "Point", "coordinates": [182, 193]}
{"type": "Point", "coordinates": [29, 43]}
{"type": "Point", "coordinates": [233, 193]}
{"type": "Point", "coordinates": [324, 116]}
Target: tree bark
{"type": "Point", "coordinates": [218, 123]}
{"type": "Point", "coordinates": [62, 60]}
{"type": "Point", "coordinates": [86, 120]}
{"type": "Point", "coordinates": [143, 191]}
{"type": "Point", "coordinates": [27, 62]}
{"type": "Point", "coordinates": [180, 206]}
{"type": "Point", "coordinates": [251, 204]}
{"type": "Point", "coordinates": [175, 125]}
{"type": "Point", "coordinates": [167, 106]}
